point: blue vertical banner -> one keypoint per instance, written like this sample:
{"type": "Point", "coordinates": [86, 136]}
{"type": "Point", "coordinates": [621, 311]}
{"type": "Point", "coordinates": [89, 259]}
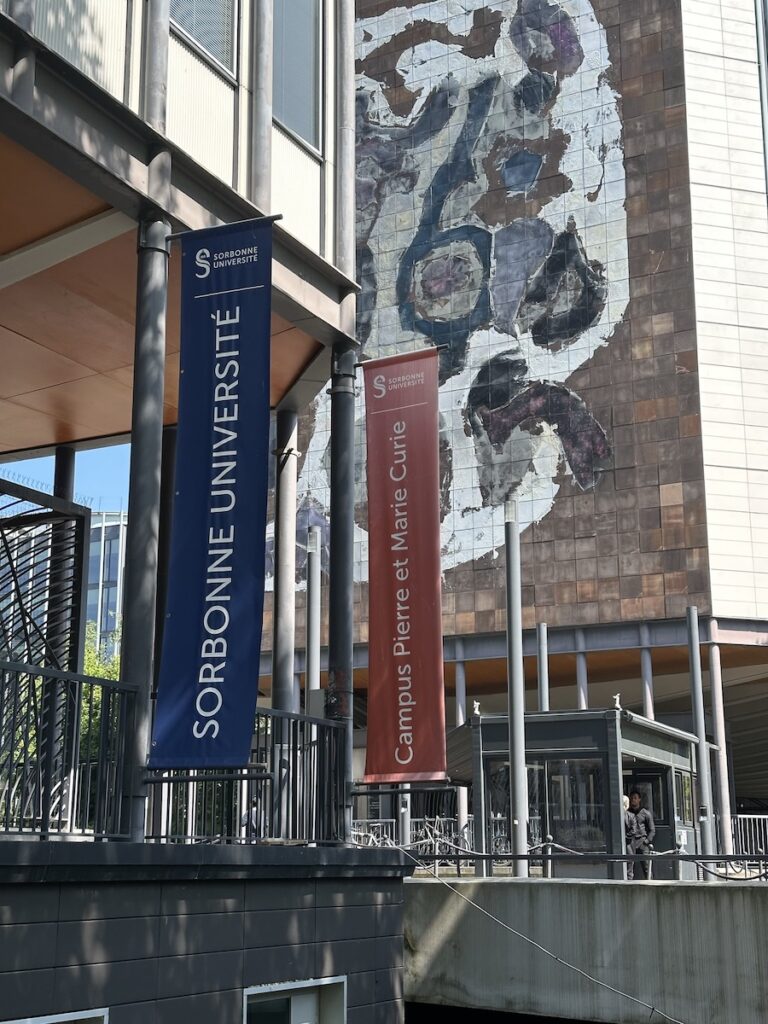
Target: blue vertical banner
{"type": "Point", "coordinates": [209, 669]}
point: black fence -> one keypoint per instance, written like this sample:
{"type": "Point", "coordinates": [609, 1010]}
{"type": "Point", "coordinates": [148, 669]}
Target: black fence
{"type": "Point", "coordinates": [43, 565]}
{"type": "Point", "coordinates": [62, 739]}
{"type": "Point", "coordinates": [291, 791]}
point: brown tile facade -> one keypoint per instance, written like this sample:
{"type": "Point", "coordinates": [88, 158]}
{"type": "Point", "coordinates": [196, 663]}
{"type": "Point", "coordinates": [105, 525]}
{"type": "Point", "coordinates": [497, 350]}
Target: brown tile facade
{"type": "Point", "coordinates": [634, 546]}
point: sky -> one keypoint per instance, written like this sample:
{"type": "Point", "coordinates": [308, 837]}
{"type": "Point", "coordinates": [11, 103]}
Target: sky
{"type": "Point", "coordinates": [101, 476]}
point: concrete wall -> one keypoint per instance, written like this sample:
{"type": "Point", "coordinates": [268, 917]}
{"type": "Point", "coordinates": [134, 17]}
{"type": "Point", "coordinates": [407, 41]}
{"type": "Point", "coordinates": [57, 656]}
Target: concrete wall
{"type": "Point", "coordinates": [164, 936]}
{"type": "Point", "coordinates": [730, 229]}
{"type": "Point", "coordinates": [697, 952]}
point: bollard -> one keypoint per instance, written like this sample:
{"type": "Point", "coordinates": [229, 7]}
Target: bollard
{"type": "Point", "coordinates": [548, 840]}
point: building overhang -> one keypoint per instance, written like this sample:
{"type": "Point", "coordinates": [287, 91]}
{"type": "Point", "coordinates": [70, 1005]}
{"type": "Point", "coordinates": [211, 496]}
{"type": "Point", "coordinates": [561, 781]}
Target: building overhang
{"type": "Point", "coordinates": [79, 170]}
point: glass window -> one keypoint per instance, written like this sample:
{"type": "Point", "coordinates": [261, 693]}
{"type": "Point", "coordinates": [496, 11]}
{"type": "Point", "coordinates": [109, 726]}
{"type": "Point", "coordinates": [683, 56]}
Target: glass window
{"type": "Point", "coordinates": [269, 1011]}
{"type": "Point", "coordinates": [211, 23]}
{"type": "Point", "coordinates": [565, 800]}
{"type": "Point", "coordinates": [296, 86]}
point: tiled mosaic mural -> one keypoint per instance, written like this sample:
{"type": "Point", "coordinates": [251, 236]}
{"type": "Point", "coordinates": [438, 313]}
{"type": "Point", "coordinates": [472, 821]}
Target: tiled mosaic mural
{"type": "Point", "coordinates": [523, 205]}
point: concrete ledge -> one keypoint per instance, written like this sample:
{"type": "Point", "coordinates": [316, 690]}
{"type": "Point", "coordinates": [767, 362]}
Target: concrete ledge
{"type": "Point", "coordinates": [55, 862]}
{"type": "Point", "coordinates": [696, 951]}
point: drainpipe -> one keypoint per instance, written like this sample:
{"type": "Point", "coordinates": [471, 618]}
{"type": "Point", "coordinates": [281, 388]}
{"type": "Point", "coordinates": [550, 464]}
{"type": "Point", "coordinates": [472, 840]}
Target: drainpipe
{"type": "Point", "coordinates": [542, 662]}
{"type": "Point", "coordinates": [261, 109]}
{"type": "Point", "coordinates": [462, 808]}
{"type": "Point", "coordinates": [23, 75]}
{"type": "Point", "coordinates": [341, 594]}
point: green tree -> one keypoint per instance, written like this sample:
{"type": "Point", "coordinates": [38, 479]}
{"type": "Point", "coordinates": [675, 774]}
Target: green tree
{"type": "Point", "coordinates": [102, 661]}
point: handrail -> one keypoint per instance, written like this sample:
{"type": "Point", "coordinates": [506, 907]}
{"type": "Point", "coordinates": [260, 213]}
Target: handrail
{"type": "Point", "coordinates": [73, 677]}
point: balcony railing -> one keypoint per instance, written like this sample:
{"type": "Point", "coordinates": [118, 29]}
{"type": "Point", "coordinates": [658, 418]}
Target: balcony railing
{"type": "Point", "coordinates": [292, 790]}
{"type": "Point", "coordinates": [62, 770]}
{"type": "Point", "coordinates": [61, 753]}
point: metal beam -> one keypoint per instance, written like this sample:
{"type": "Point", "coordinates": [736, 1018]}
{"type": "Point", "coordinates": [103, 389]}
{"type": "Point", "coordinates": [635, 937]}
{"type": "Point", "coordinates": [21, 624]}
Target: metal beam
{"type": "Point", "coordinates": [62, 245]}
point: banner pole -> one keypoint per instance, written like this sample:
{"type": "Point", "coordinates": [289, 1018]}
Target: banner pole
{"type": "Point", "coordinates": [341, 600]}
{"type": "Point", "coordinates": [518, 786]}
{"type": "Point", "coordinates": [313, 611]}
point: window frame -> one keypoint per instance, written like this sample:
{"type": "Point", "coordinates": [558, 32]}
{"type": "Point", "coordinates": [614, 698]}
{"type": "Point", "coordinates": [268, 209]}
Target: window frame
{"type": "Point", "coordinates": [287, 988]}
{"type": "Point", "coordinates": [233, 75]}
{"type": "Point", "coordinates": [318, 150]}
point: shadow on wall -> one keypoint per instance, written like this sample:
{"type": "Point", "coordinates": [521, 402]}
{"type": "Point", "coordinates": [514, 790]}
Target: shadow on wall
{"type": "Point", "coordinates": [74, 29]}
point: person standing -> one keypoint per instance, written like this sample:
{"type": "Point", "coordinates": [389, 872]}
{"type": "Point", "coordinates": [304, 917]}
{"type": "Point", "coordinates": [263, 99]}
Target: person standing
{"type": "Point", "coordinates": [641, 830]}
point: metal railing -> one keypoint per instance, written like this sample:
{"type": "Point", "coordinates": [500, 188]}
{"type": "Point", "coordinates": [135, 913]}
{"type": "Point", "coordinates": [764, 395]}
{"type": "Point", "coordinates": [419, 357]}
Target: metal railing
{"type": "Point", "coordinates": [750, 834]}
{"type": "Point", "coordinates": [61, 753]}
{"type": "Point", "coordinates": [43, 568]}
{"type": "Point", "coordinates": [292, 790]}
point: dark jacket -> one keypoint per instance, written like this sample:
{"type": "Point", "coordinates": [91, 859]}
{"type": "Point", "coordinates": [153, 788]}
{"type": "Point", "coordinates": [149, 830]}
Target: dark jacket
{"type": "Point", "coordinates": [639, 825]}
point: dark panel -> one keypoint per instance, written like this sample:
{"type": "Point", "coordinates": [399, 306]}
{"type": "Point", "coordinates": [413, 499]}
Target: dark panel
{"type": "Point", "coordinates": [279, 895]}
{"type": "Point", "coordinates": [278, 928]}
{"type": "Point", "coordinates": [94, 942]}
{"type": "Point", "coordinates": [347, 957]}
{"type": "Point", "coordinates": [361, 988]}
{"type": "Point", "coordinates": [345, 923]}
{"type": "Point", "coordinates": [213, 1008]}
{"type": "Point", "coordinates": [338, 893]}
{"type": "Point", "coordinates": [201, 898]}
{"type": "Point", "coordinates": [389, 919]}
{"type": "Point", "coordinates": [279, 963]}
{"type": "Point", "coordinates": [104, 984]}
{"type": "Point", "coordinates": [208, 972]}
{"type": "Point", "coordinates": [389, 985]}
{"type": "Point", "coordinates": [189, 934]}
{"type": "Point", "coordinates": [25, 947]}
{"type": "Point", "coordinates": [27, 904]}
{"type": "Point", "coordinates": [83, 902]}
{"type": "Point", "coordinates": [26, 994]}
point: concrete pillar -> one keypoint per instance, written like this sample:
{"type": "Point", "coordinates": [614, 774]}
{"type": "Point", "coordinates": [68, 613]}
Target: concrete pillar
{"type": "Point", "coordinates": [261, 110]}
{"type": "Point", "coordinates": [542, 664]}
{"type": "Point", "coordinates": [582, 682]}
{"type": "Point", "coordinates": [718, 722]}
{"type": "Point", "coordinates": [700, 728]}
{"type": "Point", "coordinates": [341, 595]}
{"type": "Point", "coordinates": [285, 695]}
{"type": "Point", "coordinates": [136, 663]}
{"type": "Point", "coordinates": [646, 671]}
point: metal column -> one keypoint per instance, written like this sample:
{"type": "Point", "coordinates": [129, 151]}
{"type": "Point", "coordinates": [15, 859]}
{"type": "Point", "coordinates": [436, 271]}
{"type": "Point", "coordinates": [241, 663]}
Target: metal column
{"type": "Point", "coordinates": [167, 480]}
{"type": "Point", "coordinates": [582, 681]}
{"type": "Point", "coordinates": [136, 664]}
{"type": "Point", "coordinates": [285, 695]}
{"type": "Point", "coordinates": [261, 109]}
{"type": "Point", "coordinates": [718, 723]}
{"type": "Point", "coordinates": [462, 810]}
{"type": "Point", "coordinates": [542, 665]}
{"type": "Point", "coordinates": [157, 39]}
{"type": "Point", "coordinates": [314, 569]}
{"type": "Point", "coordinates": [341, 611]}
{"type": "Point", "coordinates": [518, 782]}
{"type": "Point", "coordinates": [646, 671]}
{"type": "Point", "coordinates": [702, 754]}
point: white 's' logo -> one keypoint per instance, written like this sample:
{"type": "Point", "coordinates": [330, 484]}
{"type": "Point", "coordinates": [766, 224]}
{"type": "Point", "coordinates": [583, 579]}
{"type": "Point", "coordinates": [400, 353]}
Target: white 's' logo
{"type": "Point", "coordinates": [202, 259]}
{"type": "Point", "coordinates": [379, 385]}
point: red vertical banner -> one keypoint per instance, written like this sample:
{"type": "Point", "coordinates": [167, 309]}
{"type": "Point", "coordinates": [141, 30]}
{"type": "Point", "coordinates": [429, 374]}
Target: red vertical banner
{"type": "Point", "coordinates": [406, 701]}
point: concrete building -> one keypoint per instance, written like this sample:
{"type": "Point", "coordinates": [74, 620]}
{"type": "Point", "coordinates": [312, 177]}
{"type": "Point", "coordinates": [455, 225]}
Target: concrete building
{"type": "Point", "coordinates": [122, 123]}
{"type": "Point", "coordinates": [571, 197]}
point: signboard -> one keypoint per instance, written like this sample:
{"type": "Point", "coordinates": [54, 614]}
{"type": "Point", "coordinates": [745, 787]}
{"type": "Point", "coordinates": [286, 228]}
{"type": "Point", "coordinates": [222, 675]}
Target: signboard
{"type": "Point", "coordinates": [406, 703]}
{"type": "Point", "coordinates": [209, 668]}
